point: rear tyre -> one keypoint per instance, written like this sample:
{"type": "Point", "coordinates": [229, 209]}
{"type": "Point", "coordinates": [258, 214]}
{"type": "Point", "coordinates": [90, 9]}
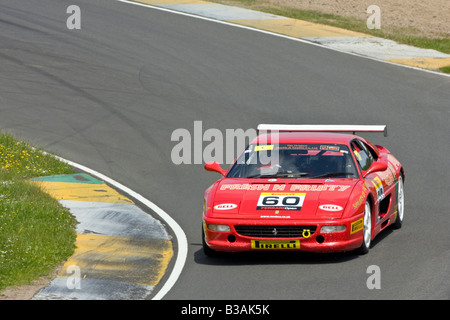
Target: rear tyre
{"type": "Point", "coordinates": [367, 229]}
{"type": "Point", "coordinates": [400, 204]}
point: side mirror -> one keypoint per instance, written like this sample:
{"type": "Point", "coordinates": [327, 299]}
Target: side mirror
{"type": "Point", "coordinates": [215, 167]}
{"type": "Point", "coordinates": [375, 167]}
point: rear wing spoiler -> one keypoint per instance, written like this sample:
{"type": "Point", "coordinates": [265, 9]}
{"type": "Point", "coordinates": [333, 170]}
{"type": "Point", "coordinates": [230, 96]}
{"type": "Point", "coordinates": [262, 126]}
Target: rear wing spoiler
{"type": "Point", "coordinates": [322, 128]}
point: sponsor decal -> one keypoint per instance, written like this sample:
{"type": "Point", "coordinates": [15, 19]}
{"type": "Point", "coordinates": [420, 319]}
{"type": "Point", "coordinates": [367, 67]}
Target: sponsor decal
{"type": "Point", "coordinates": [282, 187]}
{"type": "Point", "coordinates": [330, 148]}
{"type": "Point", "coordinates": [264, 147]}
{"type": "Point", "coordinates": [388, 176]}
{"type": "Point", "coordinates": [319, 187]}
{"type": "Point", "coordinates": [330, 207]}
{"type": "Point", "coordinates": [280, 201]}
{"type": "Point", "coordinates": [362, 197]}
{"type": "Point", "coordinates": [275, 245]}
{"type": "Point", "coordinates": [275, 217]}
{"type": "Point", "coordinates": [392, 160]}
{"type": "Point", "coordinates": [379, 187]}
{"type": "Point", "coordinates": [356, 226]}
{"type": "Point", "coordinates": [245, 186]}
{"type": "Point", "coordinates": [225, 206]}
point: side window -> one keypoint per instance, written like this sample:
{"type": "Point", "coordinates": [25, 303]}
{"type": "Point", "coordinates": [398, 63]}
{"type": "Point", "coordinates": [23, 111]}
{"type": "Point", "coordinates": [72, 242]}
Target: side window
{"type": "Point", "coordinates": [371, 152]}
{"type": "Point", "coordinates": [363, 157]}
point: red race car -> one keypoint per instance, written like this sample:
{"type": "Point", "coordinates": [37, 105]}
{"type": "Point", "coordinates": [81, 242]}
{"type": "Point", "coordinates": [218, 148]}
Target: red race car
{"type": "Point", "coordinates": [307, 188]}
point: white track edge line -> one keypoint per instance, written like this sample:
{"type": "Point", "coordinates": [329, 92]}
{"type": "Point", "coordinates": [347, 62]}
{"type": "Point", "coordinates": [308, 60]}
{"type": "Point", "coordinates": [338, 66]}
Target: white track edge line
{"type": "Point", "coordinates": [280, 35]}
{"type": "Point", "coordinates": [179, 233]}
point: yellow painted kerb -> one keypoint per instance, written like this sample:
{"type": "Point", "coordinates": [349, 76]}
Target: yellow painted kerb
{"type": "Point", "coordinates": [426, 63]}
{"type": "Point", "coordinates": [82, 192]}
{"type": "Point", "coordinates": [298, 28]}
{"type": "Point", "coordinates": [135, 260]}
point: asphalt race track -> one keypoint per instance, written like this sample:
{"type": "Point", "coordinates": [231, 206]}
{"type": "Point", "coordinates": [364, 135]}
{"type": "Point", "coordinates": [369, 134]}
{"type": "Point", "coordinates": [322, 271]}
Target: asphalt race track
{"type": "Point", "coordinates": [109, 96]}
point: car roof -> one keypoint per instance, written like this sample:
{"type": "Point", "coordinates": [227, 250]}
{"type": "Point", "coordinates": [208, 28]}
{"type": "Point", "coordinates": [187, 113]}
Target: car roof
{"type": "Point", "coordinates": [307, 137]}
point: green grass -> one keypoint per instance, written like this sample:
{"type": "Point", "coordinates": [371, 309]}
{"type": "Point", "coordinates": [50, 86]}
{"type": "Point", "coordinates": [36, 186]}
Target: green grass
{"type": "Point", "coordinates": [36, 232]}
{"type": "Point", "coordinates": [19, 160]}
{"type": "Point", "coordinates": [445, 69]}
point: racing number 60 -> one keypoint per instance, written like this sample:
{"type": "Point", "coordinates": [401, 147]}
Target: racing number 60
{"type": "Point", "coordinates": [286, 201]}
{"type": "Point", "coordinates": [282, 201]}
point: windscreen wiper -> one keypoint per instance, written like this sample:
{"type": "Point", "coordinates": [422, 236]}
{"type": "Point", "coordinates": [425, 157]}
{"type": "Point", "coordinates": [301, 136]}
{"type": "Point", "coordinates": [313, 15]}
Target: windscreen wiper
{"type": "Point", "coordinates": [333, 174]}
{"type": "Point", "coordinates": [279, 175]}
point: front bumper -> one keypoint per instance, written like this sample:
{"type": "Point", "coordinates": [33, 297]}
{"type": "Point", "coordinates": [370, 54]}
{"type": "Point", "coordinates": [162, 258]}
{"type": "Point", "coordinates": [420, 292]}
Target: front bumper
{"type": "Point", "coordinates": [311, 239]}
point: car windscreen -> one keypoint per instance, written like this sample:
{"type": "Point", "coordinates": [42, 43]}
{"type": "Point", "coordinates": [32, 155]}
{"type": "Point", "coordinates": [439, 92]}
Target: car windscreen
{"type": "Point", "coordinates": [294, 160]}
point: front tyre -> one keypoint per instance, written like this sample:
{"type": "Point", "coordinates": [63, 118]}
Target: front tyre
{"type": "Point", "coordinates": [400, 204]}
{"type": "Point", "coordinates": [367, 229]}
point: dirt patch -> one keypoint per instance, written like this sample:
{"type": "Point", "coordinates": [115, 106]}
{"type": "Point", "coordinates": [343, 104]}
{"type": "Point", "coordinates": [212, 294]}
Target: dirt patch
{"type": "Point", "coordinates": [26, 292]}
{"type": "Point", "coordinates": [416, 17]}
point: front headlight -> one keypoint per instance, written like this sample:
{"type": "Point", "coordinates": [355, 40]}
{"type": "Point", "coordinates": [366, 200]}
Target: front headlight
{"type": "Point", "coordinates": [328, 229]}
{"type": "Point", "coordinates": [219, 227]}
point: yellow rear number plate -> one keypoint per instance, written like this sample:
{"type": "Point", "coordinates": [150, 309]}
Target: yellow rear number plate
{"type": "Point", "coordinates": [276, 245]}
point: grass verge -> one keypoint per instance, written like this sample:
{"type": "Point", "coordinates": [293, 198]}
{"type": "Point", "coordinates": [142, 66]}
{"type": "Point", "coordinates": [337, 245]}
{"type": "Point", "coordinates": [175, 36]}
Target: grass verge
{"type": "Point", "coordinates": [445, 69]}
{"type": "Point", "coordinates": [36, 232]}
{"type": "Point", "coordinates": [408, 36]}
